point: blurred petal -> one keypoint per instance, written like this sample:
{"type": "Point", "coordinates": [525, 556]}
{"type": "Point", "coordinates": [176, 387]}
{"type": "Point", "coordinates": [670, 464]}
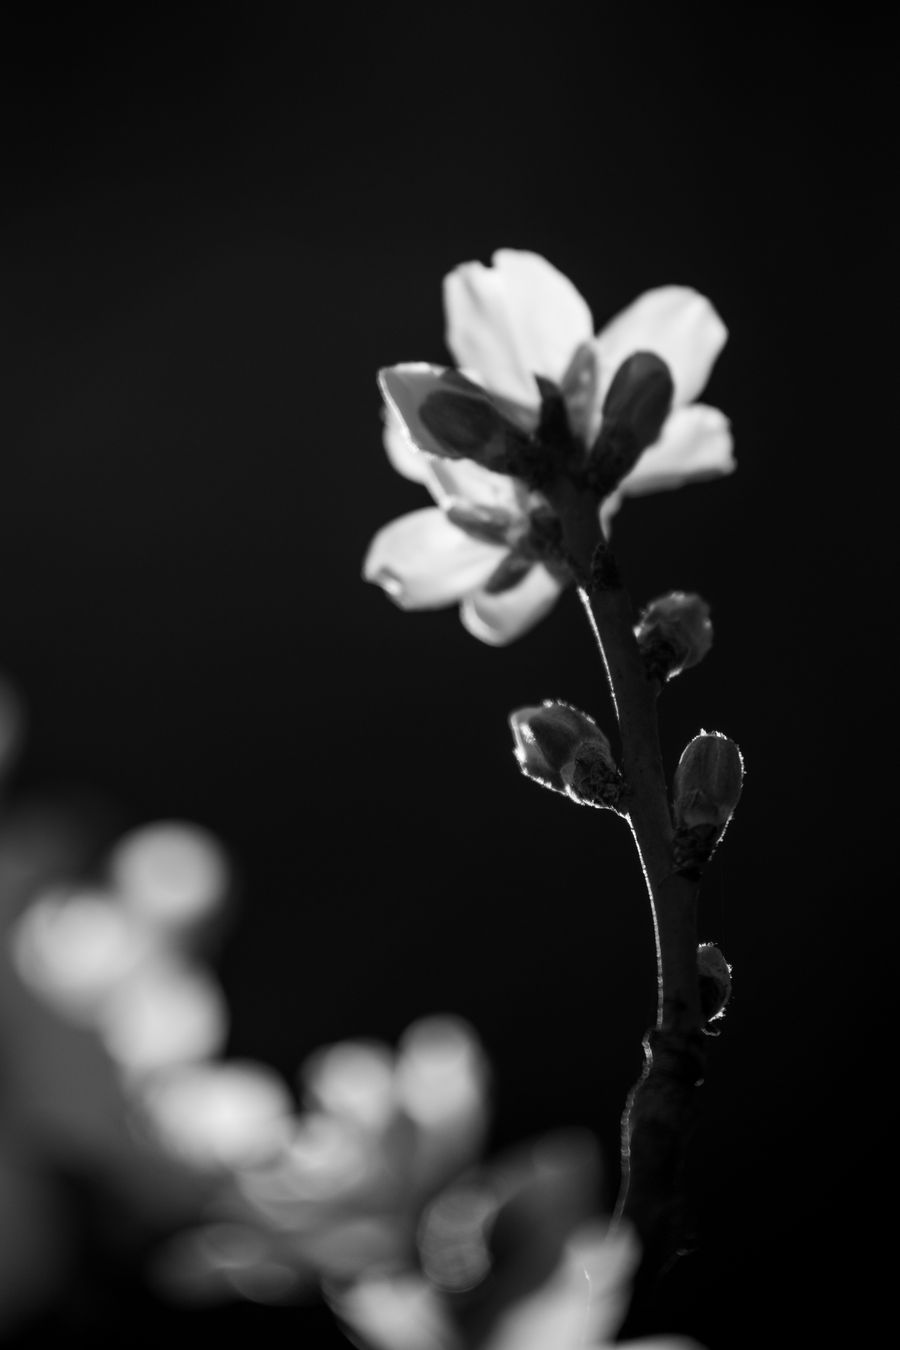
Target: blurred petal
{"type": "Point", "coordinates": [173, 874]}
{"type": "Point", "coordinates": [77, 949]}
{"type": "Point", "coordinates": [452, 481]}
{"type": "Point", "coordinates": [515, 320]}
{"type": "Point", "coordinates": [677, 323]}
{"type": "Point", "coordinates": [404, 455]}
{"type": "Point", "coordinates": [394, 1313]}
{"type": "Point", "coordinates": [354, 1079]}
{"type": "Point", "coordinates": [214, 1262]}
{"type": "Point", "coordinates": [499, 619]}
{"type": "Point", "coordinates": [167, 1013]}
{"type": "Point", "coordinates": [441, 1084]}
{"type": "Point", "coordinates": [221, 1114]}
{"type": "Point", "coordinates": [695, 444]}
{"type": "Point", "coordinates": [422, 561]}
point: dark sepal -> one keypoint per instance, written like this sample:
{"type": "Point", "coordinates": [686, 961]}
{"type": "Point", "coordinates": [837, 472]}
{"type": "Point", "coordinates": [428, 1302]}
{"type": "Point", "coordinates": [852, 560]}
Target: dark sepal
{"type": "Point", "coordinates": [634, 410]}
{"type": "Point", "coordinates": [466, 424]}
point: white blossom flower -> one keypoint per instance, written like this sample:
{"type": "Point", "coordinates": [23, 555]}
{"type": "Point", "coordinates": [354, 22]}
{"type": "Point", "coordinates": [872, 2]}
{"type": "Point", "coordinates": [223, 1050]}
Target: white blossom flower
{"type": "Point", "coordinates": [484, 543]}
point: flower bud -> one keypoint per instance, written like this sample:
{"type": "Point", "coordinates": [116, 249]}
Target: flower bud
{"type": "Point", "coordinates": [466, 424]}
{"type": "Point", "coordinates": [562, 748]}
{"type": "Point", "coordinates": [674, 633]}
{"type": "Point", "coordinates": [708, 782]}
{"type": "Point", "coordinates": [715, 981]}
{"type": "Point", "coordinates": [634, 410]}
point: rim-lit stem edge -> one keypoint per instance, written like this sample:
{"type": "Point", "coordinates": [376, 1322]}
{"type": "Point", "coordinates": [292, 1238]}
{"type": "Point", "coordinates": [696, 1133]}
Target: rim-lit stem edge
{"type": "Point", "coordinates": [659, 1112]}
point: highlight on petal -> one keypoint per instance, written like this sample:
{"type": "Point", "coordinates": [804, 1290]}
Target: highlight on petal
{"type": "Point", "coordinates": [695, 445]}
{"type": "Point", "coordinates": [422, 561]}
{"type": "Point", "coordinates": [514, 320]}
{"type": "Point", "coordinates": [402, 451]}
{"type": "Point", "coordinates": [501, 618]}
{"type": "Point", "coordinates": [677, 323]}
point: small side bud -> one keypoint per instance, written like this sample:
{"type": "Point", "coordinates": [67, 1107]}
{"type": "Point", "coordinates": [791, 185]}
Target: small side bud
{"type": "Point", "coordinates": [563, 749]}
{"type": "Point", "coordinates": [715, 982]}
{"type": "Point", "coordinates": [673, 633]}
{"type": "Point", "coordinates": [708, 782]}
{"type": "Point", "coordinates": [634, 410]}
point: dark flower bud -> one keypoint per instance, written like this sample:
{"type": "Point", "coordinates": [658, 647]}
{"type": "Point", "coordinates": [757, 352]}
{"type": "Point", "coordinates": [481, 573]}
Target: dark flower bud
{"type": "Point", "coordinates": [715, 981]}
{"type": "Point", "coordinates": [562, 748]}
{"type": "Point", "coordinates": [466, 424]}
{"type": "Point", "coordinates": [708, 782]}
{"type": "Point", "coordinates": [634, 410]}
{"type": "Point", "coordinates": [674, 633]}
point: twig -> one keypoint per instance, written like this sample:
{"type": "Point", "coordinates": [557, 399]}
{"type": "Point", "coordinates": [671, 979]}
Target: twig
{"type": "Point", "coordinates": [657, 1119]}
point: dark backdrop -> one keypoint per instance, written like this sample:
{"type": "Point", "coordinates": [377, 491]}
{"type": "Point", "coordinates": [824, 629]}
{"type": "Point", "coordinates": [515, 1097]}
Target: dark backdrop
{"type": "Point", "coordinates": [214, 229]}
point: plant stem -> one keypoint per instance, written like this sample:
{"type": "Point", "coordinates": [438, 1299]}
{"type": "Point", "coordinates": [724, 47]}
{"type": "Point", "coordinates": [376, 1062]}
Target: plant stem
{"type": "Point", "coordinates": [660, 1107]}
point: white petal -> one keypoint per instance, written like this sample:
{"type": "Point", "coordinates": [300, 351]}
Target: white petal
{"type": "Point", "coordinates": [695, 444]}
{"type": "Point", "coordinates": [423, 562]}
{"type": "Point", "coordinates": [515, 320]}
{"type": "Point", "coordinates": [608, 508]}
{"type": "Point", "coordinates": [394, 1312]}
{"type": "Point", "coordinates": [583, 1302]}
{"type": "Point", "coordinates": [168, 1013]}
{"type": "Point", "coordinates": [463, 481]}
{"type": "Point", "coordinates": [499, 619]}
{"type": "Point", "coordinates": [404, 454]}
{"type": "Point", "coordinates": [229, 1112]}
{"type": "Point", "coordinates": [677, 323]}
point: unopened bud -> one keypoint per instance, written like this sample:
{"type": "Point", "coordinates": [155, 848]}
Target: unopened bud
{"type": "Point", "coordinates": [708, 782]}
{"type": "Point", "coordinates": [563, 749]}
{"type": "Point", "coordinates": [674, 633]}
{"type": "Point", "coordinates": [715, 981]}
{"type": "Point", "coordinates": [634, 410]}
{"type": "Point", "coordinates": [466, 424]}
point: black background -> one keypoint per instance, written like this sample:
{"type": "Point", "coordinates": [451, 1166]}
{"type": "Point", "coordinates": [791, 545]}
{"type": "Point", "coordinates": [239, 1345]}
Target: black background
{"type": "Point", "coordinates": [215, 228]}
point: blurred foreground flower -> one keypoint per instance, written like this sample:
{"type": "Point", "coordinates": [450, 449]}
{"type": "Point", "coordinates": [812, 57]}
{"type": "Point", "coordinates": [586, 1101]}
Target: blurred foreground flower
{"type": "Point", "coordinates": [114, 955]}
{"type": "Point", "coordinates": [98, 990]}
{"type": "Point", "coordinates": [511, 1259]}
{"type": "Point", "coordinates": [332, 1191]}
{"type": "Point", "coordinates": [524, 340]}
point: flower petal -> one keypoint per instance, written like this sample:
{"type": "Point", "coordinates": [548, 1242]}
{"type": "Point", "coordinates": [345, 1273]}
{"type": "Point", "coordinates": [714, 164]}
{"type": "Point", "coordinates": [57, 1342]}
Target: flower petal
{"type": "Point", "coordinates": [422, 561]}
{"type": "Point", "coordinates": [677, 323]}
{"type": "Point", "coordinates": [501, 618]}
{"type": "Point", "coordinates": [583, 1302]}
{"type": "Point", "coordinates": [404, 454]}
{"type": "Point", "coordinates": [695, 444]}
{"type": "Point", "coordinates": [515, 320]}
{"type": "Point", "coordinates": [463, 481]}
